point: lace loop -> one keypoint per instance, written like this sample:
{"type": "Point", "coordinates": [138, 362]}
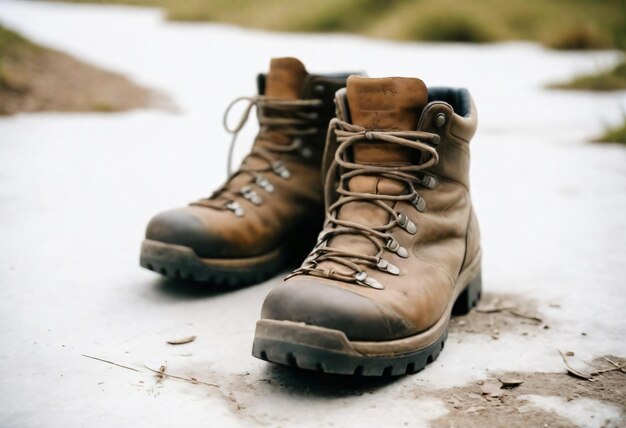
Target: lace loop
{"type": "Point", "coordinates": [252, 102]}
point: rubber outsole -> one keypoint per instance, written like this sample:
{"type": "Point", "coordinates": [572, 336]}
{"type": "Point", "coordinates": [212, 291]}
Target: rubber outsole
{"type": "Point", "coordinates": [329, 351]}
{"type": "Point", "coordinates": [180, 262]}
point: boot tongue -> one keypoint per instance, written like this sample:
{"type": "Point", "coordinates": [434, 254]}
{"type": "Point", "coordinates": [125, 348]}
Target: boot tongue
{"type": "Point", "coordinates": [392, 103]}
{"type": "Point", "coordinates": [285, 78]}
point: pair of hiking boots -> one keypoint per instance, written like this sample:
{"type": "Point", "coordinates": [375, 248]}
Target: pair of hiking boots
{"type": "Point", "coordinates": [381, 167]}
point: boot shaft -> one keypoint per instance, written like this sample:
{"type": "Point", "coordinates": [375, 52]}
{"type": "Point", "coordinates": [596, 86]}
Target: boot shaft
{"type": "Point", "coordinates": [288, 79]}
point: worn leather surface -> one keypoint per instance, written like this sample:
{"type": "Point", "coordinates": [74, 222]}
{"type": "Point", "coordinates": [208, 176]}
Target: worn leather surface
{"type": "Point", "coordinates": [289, 215]}
{"type": "Point", "coordinates": [447, 237]}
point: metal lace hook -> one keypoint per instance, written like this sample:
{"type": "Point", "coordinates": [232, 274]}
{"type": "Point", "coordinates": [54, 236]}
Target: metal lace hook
{"type": "Point", "coordinates": [252, 101]}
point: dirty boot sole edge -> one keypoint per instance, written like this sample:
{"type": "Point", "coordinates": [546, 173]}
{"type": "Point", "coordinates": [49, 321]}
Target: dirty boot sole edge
{"type": "Point", "coordinates": [180, 262]}
{"type": "Point", "coordinates": [330, 351]}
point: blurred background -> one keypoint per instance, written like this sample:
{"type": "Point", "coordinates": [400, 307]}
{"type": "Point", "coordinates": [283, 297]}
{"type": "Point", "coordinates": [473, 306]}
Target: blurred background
{"type": "Point", "coordinates": [575, 25]}
{"type": "Point", "coordinates": [559, 24]}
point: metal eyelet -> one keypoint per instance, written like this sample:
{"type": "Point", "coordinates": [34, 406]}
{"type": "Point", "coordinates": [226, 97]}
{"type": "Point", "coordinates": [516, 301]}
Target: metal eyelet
{"type": "Point", "coordinates": [264, 184]}
{"type": "Point", "coordinates": [394, 246]}
{"type": "Point", "coordinates": [280, 169]}
{"type": "Point", "coordinates": [419, 203]}
{"type": "Point", "coordinates": [364, 279]}
{"type": "Point", "coordinates": [385, 266]}
{"type": "Point", "coordinates": [254, 198]}
{"type": "Point", "coordinates": [406, 224]}
{"type": "Point", "coordinates": [440, 120]}
{"type": "Point", "coordinates": [235, 208]}
{"type": "Point", "coordinates": [251, 195]}
{"type": "Point", "coordinates": [429, 181]}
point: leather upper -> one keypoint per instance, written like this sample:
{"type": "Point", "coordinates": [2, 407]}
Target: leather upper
{"type": "Point", "coordinates": [446, 241]}
{"type": "Point", "coordinates": [293, 211]}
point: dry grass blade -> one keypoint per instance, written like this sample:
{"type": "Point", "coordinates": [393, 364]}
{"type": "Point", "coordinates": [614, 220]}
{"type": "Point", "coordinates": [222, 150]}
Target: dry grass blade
{"type": "Point", "coordinates": [193, 380]}
{"type": "Point", "coordinates": [572, 370]}
{"type": "Point", "coordinates": [109, 362]}
{"type": "Point", "coordinates": [493, 306]}
{"type": "Point", "coordinates": [182, 341]}
{"type": "Point", "coordinates": [526, 316]}
{"type": "Point", "coordinates": [616, 366]}
{"type": "Point", "coordinates": [619, 367]}
{"type": "Point", "coordinates": [610, 369]}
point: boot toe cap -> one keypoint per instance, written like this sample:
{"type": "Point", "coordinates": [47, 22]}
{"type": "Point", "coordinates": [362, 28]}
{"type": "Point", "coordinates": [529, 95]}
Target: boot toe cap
{"type": "Point", "coordinates": [182, 227]}
{"type": "Point", "coordinates": [321, 304]}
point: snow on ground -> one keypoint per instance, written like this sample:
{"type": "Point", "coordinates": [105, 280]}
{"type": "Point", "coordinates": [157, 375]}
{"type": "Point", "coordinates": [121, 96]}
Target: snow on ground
{"type": "Point", "coordinates": [76, 192]}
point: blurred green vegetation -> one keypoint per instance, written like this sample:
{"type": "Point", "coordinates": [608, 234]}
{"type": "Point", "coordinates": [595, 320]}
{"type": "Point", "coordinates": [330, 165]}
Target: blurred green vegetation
{"type": "Point", "coordinates": [615, 135]}
{"type": "Point", "coordinates": [12, 43]}
{"type": "Point", "coordinates": [609, 80]}
{"type": "Point", "coordinates": [13, 47]}
{"type": "Point", "coordinates": [559, 24]}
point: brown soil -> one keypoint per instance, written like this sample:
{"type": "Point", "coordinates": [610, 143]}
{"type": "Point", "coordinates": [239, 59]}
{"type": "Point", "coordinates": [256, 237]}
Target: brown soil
{"type": "Point", "coordinates": [470, 407]}
{"type": "Point", "coordinates": [36, 79]}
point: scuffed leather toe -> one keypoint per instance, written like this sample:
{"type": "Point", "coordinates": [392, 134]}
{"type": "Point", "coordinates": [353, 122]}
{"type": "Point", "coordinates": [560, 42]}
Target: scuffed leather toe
{"type": "Point", "coordinates": [181, 227]}
{"type": "Point", "coordinates": [316, 303]}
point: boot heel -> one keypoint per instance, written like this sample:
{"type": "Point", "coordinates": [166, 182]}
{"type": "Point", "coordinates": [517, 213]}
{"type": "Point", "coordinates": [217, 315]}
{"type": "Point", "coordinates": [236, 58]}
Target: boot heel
{"type": "Point", "coordinates": [468, 297]}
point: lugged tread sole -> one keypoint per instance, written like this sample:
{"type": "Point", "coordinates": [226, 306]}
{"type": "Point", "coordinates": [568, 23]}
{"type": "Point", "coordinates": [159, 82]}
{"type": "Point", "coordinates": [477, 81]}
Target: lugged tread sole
{"type": "Point", "coordinates": [179, 262]}
{"type": "Point", "coordinates": [329, 351]}
{"type": "Point", "coordinates": [333, 362]}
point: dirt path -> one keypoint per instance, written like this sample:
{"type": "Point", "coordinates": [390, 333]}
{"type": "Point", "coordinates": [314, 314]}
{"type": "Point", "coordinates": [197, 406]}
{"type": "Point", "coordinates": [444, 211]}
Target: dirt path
{"type": "Point", "coordinates": [35, 79]}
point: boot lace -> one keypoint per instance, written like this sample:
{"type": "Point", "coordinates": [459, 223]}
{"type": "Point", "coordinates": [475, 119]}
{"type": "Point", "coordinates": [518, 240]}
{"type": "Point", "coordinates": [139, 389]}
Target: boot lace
{"type": "Point", "coordinates": [294, 119]}
{"type": "Point", "coordinates": [412, 176]}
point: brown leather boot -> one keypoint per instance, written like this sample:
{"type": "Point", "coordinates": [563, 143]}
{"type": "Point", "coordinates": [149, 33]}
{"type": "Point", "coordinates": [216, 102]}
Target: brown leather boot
{"type": "Point", "coordinates": [271, 208]}
{"type": "Point", "coordinates": [400, 249]}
